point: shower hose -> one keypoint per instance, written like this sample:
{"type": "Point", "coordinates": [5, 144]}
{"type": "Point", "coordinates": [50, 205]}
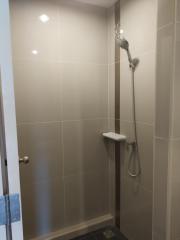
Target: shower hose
{"type": "Point", "coordinates": [134, 165]}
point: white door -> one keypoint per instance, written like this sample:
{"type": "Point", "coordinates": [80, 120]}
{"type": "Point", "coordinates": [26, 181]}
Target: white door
{"type": "Point", "coordinates": [8, 112]}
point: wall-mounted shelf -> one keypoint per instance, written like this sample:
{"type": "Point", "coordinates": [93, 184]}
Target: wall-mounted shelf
{"type": "Point", "coordinates": [115, 136]}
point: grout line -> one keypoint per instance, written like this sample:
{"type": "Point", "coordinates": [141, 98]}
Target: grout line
{"type": "Point", "coordinates": [62, 121]}
{"type": "Point", "coordinates": [175, 139]}
{"type": "Point", "coordinates": [140, 54]}
{"type": "Point", "coordinates": [161, 138]}
{"type": "Point", "coordinates": [164, 26]}
{"type": "Point", "coordinates": [167, 139]}
{"type": "Point", "coordinates": [20, 60]}
{"type": "Point", "coordinates": [138, 122]}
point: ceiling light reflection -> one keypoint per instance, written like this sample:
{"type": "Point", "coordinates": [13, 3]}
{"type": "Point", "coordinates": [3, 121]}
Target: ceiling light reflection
{"type": "Point", "coordinates": [35, 52]}
{"type": "Point", "coordinates": [44, 18]}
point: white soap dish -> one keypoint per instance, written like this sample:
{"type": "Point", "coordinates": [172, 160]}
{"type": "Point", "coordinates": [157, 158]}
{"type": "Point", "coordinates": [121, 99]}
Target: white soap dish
{"type": "Point", "coordinates": [115, 136]}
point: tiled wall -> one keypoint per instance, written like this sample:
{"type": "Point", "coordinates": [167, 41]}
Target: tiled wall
{"type": "Point", "coordinates": [164, 72]}
{"type": "Point", "coordinates": [138, 20]}
{"type": "Point", "coordinates": [169, 137]}
{"type": "Point", "coordinates": [175, 133]}
{"type": "Point", "coordinates": [62, 109]}
{"type": "Point", "coordinates": [166, 176]}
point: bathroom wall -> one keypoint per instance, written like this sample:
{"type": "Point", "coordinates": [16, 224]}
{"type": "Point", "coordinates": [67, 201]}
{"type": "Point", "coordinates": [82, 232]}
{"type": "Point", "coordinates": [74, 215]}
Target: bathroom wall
{"type": "Point", "coordinates": [138, 20]}
{"type": "Point", "coordinates": [164, 73]}
{"type": "Point", "coordinates": [167, 196]}
{"type": "Point", "coordinates": [174, 194]}
{"type": "Point", "coordinates": [62, 110]}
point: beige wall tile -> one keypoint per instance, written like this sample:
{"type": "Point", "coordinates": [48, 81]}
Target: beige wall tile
{"type": "Point", "coordinates": [37, 91]}
{"type": "Point", "coordinates": [156, 236]}
{"type": "Point", "coordinates": [84, 91]}
{"type": "Point", "coordinates": [111, 91]}
{"type": "Point", "coordinates": [178, 11]}
{"type": "Point", "coordinates": [111, 35]}
{"type": "Point", "coordinates": [144, 79]}
{"type": "Point", "coordinates": [164, 80]}
{"type": "Point", "coordinates": [138, 20]}
{"type": "Point", "coordinates": [175, 217]}
{"type": "Point", "coordinates": [176, 87]}
{"type": "Point", "coordinates": [160, 187]}
{"type": "Point", "coordinates": [165, 12]}
{"type": "Point", "coordinates": [175, 190]}
{"type": "Point", "coordinates": [125, 92]}
{"type": "Point", "coordinates": [49, 91]}
{"type": "Point", "coordinates": [86, 196]}
{"type": "Point", "coordinates": [42, 143]}
{"type": "Point", "coordinates": [83, 33]}
{"type": "Point", "coordinates": [85, 150]}
{"type": "Point", "coordinates": [145, 141]}
{"type": "Point", "coordinates": [136, 210]}
{"type": "Point", "coordinates": [29, 33]}
{"type": "Point", "coordinates": [145, 88]}
{"type": "Point", "coordinates": [42, 206]}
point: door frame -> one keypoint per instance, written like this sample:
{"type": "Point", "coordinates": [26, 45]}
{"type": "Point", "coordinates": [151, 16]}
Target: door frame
{"type": "Point", "coordinates": [10, 129]}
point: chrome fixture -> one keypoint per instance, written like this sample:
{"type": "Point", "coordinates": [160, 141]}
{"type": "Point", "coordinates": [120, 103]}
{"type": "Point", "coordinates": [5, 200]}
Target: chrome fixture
{"type": "Point", "coordinates": [133, 63]}
{"type": "Point", "coordinates": [24, 160]}
{"type": "Point", "coordinates": [124, 44]}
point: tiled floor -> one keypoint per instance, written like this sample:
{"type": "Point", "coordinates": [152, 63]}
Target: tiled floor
{"type": "Point", "coordinates": [108, 233]}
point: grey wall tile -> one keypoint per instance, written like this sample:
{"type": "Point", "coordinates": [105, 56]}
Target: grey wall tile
{"type": "Point", "coordinates": [136, 210]}
{"type": "Point", "coordinates": [84, 91]}
{"type": "Point", "coordinates": [164, 80]}
{"type": "Point", "coordinates": [85, 150]}
{"type": "Point", "coordinates": [42, 143]}
{"type": "Point", "coordinates": [86, 196]}
{"type": "Point", "coordinates": [166, 12]}
{"type": "Point", "coordinates": [160, 187]}
{"type": "Point", "coordinates": [37, 91]}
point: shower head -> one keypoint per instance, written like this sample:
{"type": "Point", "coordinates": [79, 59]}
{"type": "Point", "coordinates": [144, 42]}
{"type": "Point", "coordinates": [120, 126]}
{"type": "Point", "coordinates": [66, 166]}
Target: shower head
{"type": "Point", "coordinates": [124, 44]}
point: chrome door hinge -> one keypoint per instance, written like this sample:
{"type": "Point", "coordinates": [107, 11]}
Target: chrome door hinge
{"type": "Point", "coordinates": [9, 209]}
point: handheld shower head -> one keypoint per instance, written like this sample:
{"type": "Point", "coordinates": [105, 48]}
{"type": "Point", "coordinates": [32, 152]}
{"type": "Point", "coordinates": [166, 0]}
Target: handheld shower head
{"type": "Point", "coordinates": [124, 44]}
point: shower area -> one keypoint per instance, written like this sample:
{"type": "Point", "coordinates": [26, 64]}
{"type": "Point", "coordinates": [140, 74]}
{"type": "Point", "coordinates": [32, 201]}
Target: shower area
{"type": "Point", "coordinates": [84, 70]}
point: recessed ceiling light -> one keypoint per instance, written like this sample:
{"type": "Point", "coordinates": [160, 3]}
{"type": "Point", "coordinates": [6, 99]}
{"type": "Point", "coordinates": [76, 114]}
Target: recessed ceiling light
{"type": "Point", "coordinates": [35, 52]}
{"type": "Point", "coordinates": [44, 18]}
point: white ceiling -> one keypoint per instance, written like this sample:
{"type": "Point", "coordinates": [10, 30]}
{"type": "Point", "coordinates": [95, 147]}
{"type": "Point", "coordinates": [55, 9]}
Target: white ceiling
{"type": "Point", "coordinates": [102, 3]}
